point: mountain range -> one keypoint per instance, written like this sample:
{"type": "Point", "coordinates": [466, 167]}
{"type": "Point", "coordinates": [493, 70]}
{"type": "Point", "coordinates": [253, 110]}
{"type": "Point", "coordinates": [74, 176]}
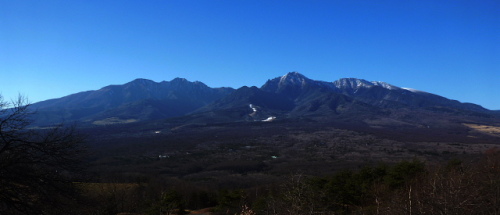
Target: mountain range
{"type": "Point", "coordinates": [292, 96]}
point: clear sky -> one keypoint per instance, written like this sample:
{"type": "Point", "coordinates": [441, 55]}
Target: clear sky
{"type": "Point", "coordinates": [49, 49]}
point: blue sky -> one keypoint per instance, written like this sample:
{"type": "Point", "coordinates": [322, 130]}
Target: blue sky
{"type": "Point", "coordinates": [50, 49]}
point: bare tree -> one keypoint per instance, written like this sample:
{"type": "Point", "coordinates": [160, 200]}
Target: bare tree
{"type": "Point", "coordinates": [35, 164]}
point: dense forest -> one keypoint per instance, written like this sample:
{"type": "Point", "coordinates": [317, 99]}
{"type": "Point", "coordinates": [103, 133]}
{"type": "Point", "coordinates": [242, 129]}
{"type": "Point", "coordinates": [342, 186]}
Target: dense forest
{"type": "Point", "coordinates": [407, 187]}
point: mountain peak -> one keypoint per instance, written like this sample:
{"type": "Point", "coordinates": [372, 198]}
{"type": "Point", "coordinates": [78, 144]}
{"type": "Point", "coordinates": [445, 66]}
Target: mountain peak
{"type": "Point", "coordinates": [294, 74]}
{"type": "Point", "coordinates": [293, 78]}
{"type": "Point", "coordinates": [293, 83]}
{"type": "Point", "coordinates": [289, 80]}
{"type": "Point", "coordinates": [179, 80]}
{"type": "Point", "coordinates": [141, 81]}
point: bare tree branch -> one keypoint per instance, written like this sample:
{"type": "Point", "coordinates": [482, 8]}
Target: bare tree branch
{"type": "Point", "coordinates": [34, 163]}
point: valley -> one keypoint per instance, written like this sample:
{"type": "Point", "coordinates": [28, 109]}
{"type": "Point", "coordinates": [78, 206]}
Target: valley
{"type": "Point", "coordinates": [275, 148]}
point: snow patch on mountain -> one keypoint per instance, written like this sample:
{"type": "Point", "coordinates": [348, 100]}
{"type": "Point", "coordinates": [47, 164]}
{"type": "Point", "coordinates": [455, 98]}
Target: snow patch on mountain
{"type": "Point", "coordinates": [348, 85]}
{"type": "Point", "coordinates": [269, 119]}
{"type": "Point", "coordinates": [413, 90]}
{"type": "Point", "coordinates": [254, 109]}
{"type": "Point", "coordinates": [385, 85]}
{"type": "Point", "coordinates": [352, 83]}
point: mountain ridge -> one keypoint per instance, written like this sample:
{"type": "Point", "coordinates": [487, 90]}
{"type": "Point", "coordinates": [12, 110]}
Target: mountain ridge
{"type": "Point", "coordinates": [290, 95]}
{"type": "Point", "coordinates": [87, 105]}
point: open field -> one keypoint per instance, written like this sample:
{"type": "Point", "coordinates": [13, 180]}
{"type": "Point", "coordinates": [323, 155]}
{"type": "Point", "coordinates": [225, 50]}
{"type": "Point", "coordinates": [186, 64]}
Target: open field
{"type": "Point", "coordinates": [485, 129]}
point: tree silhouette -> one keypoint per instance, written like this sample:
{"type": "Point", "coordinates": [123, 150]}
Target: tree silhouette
{"type": "Point", "coordinates": [35, 164]}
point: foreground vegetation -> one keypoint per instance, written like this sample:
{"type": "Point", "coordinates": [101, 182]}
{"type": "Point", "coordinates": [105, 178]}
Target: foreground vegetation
{"type": "Point", "coordinates": [408, 187]}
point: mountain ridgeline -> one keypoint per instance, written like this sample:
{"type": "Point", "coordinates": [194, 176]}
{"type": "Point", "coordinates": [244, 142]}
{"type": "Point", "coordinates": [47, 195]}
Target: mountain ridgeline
{"type": "Point", "coordinates": [137, 100]}
{"type": "Point", "coordinates": [290, 96]}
